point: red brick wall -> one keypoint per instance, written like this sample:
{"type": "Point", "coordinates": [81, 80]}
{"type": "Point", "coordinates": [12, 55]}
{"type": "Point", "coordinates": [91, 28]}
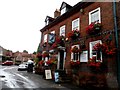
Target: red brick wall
{"type": "Point", "coordinates": [106, 20]}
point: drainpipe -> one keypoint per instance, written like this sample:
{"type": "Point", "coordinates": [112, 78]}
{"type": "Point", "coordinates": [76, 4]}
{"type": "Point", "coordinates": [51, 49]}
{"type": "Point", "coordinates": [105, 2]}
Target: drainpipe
{"type": "Point", "coordinates": [116, 40]}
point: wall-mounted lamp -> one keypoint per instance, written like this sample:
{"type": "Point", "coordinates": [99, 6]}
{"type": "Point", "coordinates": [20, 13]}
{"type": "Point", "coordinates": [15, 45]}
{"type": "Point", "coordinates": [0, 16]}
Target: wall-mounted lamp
{"type": "Point", "coordinates": [81, 11]}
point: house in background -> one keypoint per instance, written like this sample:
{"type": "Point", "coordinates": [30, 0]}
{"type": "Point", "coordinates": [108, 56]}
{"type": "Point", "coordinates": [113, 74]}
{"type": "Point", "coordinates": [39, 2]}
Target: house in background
{"type": "Point", "coordinates": [83, 39]}
{"type": "Point", "coordinates": [20, 57]}
{"type": "Point", "coordinates": [5, 54]}
{"type": "Point", "coordinates": [1, 54]}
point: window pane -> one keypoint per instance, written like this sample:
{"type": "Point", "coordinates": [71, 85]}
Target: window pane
{"type": "Point", "coordinates": [95, 16]}
{"type": "Point", "coordinates": [62, 31]}
{"type": "Point", "coordinates": [75, 24]}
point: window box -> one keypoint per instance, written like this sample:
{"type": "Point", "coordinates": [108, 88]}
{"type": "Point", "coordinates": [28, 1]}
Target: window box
{"type": "Point", "coordinates": [60, 41]}
{"type": "Point", "coordinates": [73, 34]}
{"type": "Point", "coordinates": [93, 28]}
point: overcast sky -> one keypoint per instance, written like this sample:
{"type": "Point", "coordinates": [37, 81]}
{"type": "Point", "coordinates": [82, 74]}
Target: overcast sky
{"type": "Point", "coordinates": [21, 20]}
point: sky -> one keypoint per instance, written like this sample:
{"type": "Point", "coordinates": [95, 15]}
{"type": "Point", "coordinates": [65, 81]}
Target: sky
{"type": "Point", "coordinates": [21, 21]}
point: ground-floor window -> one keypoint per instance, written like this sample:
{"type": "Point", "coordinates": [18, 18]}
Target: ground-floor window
{"type": "Point", "coordinates": [75, 54]}
{"type": "Point", "coordinates": [93, 53]}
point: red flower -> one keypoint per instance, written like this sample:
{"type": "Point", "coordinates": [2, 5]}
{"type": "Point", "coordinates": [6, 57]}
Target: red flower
{"type": "Point", "coordinates": [75, 49]}
{"type": "Point", "coordinates": [54, 45]}
{"type": "Point", "coordinates": [75, 63]}
{"type": "Point", "coordinates": [45, 54]}
{"type": "Point", "coordinates": [107, 50]}
{"type": "Point", "coordinates": [51, 61]}
{"type": "Point", "coordinates": [41, 62]}
{"type": "Point", "coordinates": [92, 63]}
{"type": "Point", "coordinates": [74, 34]}
{"type": "Point", "coordinates": [38, 54]}
{"type": "Point", "coordinates": [93, 27]}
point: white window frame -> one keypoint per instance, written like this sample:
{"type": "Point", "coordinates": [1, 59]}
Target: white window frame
{"type": "Point", "coordinates": [94, 11]}
{"type": "Point", "coordinates": [91, 44]}
{"type": "Point", "coordinates": [73, 53]}
{"type": "Point", "coordinates": [45, 38]}
{"type": "Point", "coordinates": [63, 10]}
{"type": "Point", "coordinates": [62, 30]}
{"type": "Point", "coordinates": [74, 27]}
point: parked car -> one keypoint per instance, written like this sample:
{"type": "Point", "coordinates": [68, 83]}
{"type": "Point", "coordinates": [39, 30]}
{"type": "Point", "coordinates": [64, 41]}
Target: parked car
{"type": "Point", "coordinates": [7, 63]}
{"type": "Point", "coordinates": [22, 67]}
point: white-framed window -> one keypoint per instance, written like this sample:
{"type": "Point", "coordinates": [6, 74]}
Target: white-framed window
{"type": "Point", "coordinates": [76, 24]}
{"type": "Point", "coordinates": [94, 16]}
{"type": "Point", "coordinates": [62, 30]}
{"type": "Point", "coordinates": [75, 56]}
{"type": "Point", "coordinates": [63, 10]}
{"type": "Point", "coordinates": [45, 38]}
{"type": "Point", "coordinates": [93, 53]}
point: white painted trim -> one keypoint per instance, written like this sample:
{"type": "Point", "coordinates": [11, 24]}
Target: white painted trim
{"type": "Point", "coordinates": [58, 63]}
{"type": "Point", "coordinates": [45, 38]}
{"type": "Point", "coordinates": [97, 9]}
{"type": "Point", "coordinates": [78, 19]}
{"type": "Point", "coordinates": [61, 28]}
{"type": "Point", "coordinates": [64, 60]}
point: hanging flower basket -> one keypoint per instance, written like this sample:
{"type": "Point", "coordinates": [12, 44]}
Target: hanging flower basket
{"type": "Point", "coordinates": [38, 55]}
{"type": "Point", "coordinates": [93, 64]}
{"type": "Point", "coordinates": [74, 34]}
{"type": "Point", "coordinates": [93, 28]}
{"type": "Point", "coordinates": [60, 41]}
{"type": "Point", "coordinates": [41, 62]}
{"type": "Point", "coordinates": [75, 49]}
{"type": "Point", "coordinates": [45, 54]}
{"type": "Point", "coordinates": [105, 49]}
{"type": "Point", "coordinates": [51, 62]}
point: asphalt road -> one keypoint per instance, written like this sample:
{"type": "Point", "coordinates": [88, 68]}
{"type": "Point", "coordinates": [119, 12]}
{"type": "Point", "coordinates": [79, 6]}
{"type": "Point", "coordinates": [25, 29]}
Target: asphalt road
{"type": "Point", "coordinates": [12, 79]}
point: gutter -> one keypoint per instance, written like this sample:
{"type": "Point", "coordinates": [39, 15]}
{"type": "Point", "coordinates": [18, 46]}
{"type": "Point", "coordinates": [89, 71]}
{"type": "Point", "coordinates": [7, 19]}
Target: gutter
{"type": "Point", "coordinates": [116, 41]}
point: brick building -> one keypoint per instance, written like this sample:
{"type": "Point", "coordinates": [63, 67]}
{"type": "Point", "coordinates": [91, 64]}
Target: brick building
{"type": "Point", "coordinates": [82, 38]}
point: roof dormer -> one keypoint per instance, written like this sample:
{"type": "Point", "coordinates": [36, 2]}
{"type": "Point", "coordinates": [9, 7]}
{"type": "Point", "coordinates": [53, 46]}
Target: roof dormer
{"type": "Point", "coordinates": [48, 20]}
{"type": "Point", "coordinates": [64, 7]}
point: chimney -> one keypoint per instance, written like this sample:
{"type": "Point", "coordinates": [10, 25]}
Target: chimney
{"type": "Point", "coordinates": [56, 13]}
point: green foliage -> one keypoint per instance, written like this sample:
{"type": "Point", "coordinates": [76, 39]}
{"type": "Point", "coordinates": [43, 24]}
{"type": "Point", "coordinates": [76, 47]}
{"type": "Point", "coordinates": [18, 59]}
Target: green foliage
{"type": "Point", "coordinates": [25, 51]}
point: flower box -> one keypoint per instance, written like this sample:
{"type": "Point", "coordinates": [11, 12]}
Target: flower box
{"type": "Point", "coordinates": [75, 63]}
{"type": "Point", "coordinates": [93, 28]}
{"type": "Point", "coordinates": [60, 41]}
{"type": "Point", "coordinates": [74, 34]}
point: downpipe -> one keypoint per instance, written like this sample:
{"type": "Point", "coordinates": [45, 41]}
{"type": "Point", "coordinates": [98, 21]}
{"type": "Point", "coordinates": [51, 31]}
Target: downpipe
{"type": "Point", "coordinates": [116, 41]}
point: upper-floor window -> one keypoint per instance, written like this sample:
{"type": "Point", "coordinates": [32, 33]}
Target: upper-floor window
{"type": "Point", "coordinates": [93, 53]}
{"type": "Point", "coordinates": [94, 16]}
{"type": "Point", "coordinates": [45, 38]}
{"type": "Point", "coordinates": [51, 37]}
{"type": "Point", "coordinates": [75, 24]}
{"type": "Point", "coordinates": [46, 21]}
{"type": "Point", "coordinates": [62, 30]}
{"type": "Point", "coordinates": [63, 10]}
